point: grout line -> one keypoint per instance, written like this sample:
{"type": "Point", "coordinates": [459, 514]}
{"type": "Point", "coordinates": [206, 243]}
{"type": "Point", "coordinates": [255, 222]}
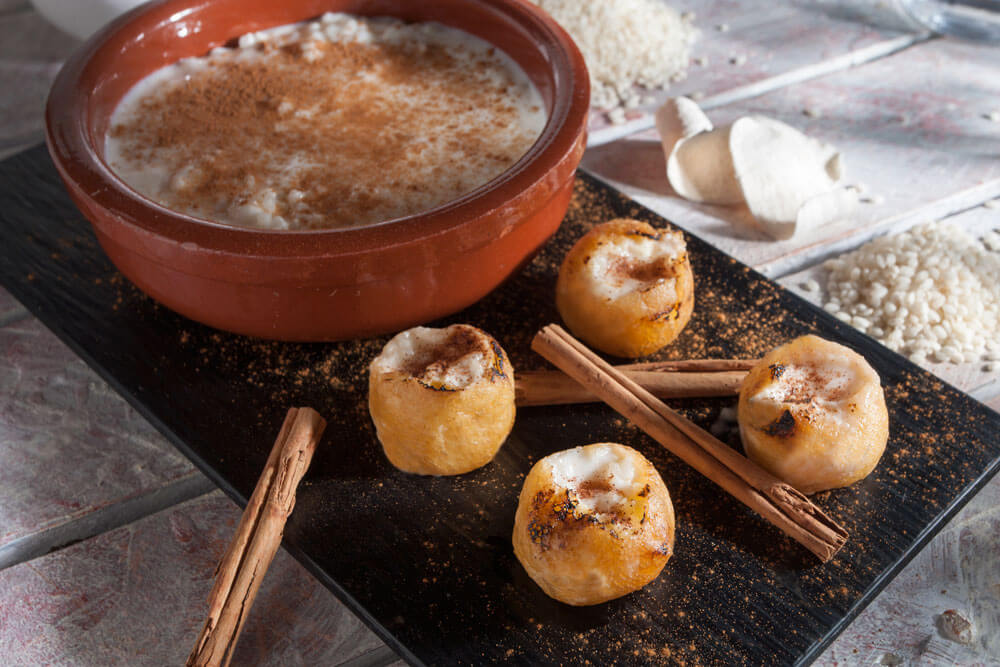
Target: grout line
{"type": "Point", "coordinates": [823, 249]}
{"type": "Point", "coordinates": [104, 519]}
{"type": "Point", "coordinates": [377, 657]}
{"type": "Point", "coordinates": [770, 84]}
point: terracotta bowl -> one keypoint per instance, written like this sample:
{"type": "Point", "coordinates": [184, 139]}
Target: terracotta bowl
{"type": "Point", "coordinates": [330, 284]}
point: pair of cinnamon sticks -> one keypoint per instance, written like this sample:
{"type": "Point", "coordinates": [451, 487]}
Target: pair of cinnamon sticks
{"type": "Point", "coordinates": [771, 498]}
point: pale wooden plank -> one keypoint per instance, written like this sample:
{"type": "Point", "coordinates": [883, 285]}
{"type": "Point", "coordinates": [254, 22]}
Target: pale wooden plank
{"type": "Point", "coordinates": [772, 44]}
{"type": "Point", "coordinates": [69, 445]}
{"type": "Point", "coordinates": [137, 596]}
{"type": "Point", "coordinates": [912, 128]}
{"type": "Point", "coordinates": [781, 44]}
{"type": "Point", "coordinates": [604, 130]}
{"type": "Point", "coordinates": [957, 570]}
{"type": "Point", "coordinates": [968, 376]}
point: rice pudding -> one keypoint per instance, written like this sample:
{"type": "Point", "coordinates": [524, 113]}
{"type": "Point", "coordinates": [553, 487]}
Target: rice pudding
{"type": "Point", "coordinates": [339, 122]}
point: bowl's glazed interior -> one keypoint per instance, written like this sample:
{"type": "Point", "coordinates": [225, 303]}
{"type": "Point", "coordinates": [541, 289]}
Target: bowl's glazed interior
{"type": "Point", "coordinates": [155, 247]}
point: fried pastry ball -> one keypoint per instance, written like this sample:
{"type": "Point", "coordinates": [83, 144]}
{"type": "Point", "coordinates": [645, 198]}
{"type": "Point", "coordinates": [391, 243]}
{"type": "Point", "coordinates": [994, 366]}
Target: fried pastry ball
{"type": "Point", "coordinates": [442, 399]}
{"type": "Point", "coordinates": [593, 523]}
{"type": "Point", "coordinates": [812, 412]}
{"type": "Point", "coordinates": [626, 288]}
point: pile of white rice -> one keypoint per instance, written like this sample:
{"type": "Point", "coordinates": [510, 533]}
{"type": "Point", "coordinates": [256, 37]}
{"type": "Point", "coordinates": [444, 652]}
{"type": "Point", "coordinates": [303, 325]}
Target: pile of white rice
{"type": "Point", "coordinates": [626, 42]}
{"type": "Point", "coordinates": [931, 293]}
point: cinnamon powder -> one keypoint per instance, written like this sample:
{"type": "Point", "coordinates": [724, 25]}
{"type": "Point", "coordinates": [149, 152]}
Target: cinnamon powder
{"type": "Point", "coordinates": [321, 133]}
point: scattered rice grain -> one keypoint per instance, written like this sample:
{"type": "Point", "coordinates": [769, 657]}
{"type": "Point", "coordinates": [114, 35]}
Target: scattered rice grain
{"type": "Point", "coordinates": [810, 285]}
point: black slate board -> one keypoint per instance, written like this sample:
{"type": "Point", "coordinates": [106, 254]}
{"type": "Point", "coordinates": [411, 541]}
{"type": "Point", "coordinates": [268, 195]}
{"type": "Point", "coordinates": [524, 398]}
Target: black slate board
{"type": "Point", "coordinates": [428, 562]}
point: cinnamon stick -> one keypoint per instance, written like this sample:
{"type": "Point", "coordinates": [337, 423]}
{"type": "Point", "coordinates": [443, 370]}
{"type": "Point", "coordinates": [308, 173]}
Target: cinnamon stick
{"type": "Point", "coordinates": [771, 498]}
{"type": "Point", "coordinates": [257, 538]}
{"type": "Point", "coordinates": [693, 365]}
{"type": "Point", "coordinates": [556, 388]}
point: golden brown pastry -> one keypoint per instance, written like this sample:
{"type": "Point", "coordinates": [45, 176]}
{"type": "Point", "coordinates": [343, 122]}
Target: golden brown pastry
{"type": "Point", "coordinates": [812, 412]}
{"type": "Point", "coordinates": [593, 523]}
{"type": "Point", "coordinates": [626, 288]}
{"type": "Point", "coordinates": [442, 399]}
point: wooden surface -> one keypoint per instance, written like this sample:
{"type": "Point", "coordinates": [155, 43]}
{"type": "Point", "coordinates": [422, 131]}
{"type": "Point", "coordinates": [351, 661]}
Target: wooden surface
{"type": "Point", "coordinates": [136, 595]}
{"type": "Point", "coordinates": [72, 448]}
{"type": "Point", "coordinates": [792, 46]}
{"type": "Point", "coordinates": [734, 579]}
{"type": "Point", "coordinates": [747, 48]}
{"type": "Point", "coordinates": [910, 126]}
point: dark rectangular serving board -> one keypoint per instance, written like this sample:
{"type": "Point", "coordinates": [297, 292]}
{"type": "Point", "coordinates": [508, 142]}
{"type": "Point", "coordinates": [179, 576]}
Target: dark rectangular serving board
{"type": "Point", "coordinates": [427, 562]}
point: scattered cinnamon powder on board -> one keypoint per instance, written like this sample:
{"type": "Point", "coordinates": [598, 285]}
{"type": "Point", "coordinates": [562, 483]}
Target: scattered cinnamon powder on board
{"type": "Point", "coordinates": [730, 580]}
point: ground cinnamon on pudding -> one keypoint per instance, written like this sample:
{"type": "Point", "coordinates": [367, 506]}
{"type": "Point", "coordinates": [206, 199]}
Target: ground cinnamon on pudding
{"type": "Point", "coordinates": [305, 130]}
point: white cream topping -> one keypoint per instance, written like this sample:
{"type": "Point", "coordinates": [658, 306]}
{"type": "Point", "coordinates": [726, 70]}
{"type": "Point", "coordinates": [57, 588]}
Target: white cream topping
{"type": "Point", "coordinates": [828, 384]}
{"type": "Point", "coordinates": [615, 267]}
{"type": "Point", "coordinates": [421, 351]}
{"type": "Point", "coordinates": [601, 477]}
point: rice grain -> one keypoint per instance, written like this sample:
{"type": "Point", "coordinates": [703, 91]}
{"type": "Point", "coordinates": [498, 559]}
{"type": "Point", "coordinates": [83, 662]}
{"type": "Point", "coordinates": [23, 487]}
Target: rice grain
{"type": "Point", "coordinates": [626, 43]}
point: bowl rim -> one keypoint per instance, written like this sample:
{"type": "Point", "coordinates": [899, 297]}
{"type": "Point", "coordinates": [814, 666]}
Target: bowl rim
{"type": "Point", "coordinates": [90, 179]}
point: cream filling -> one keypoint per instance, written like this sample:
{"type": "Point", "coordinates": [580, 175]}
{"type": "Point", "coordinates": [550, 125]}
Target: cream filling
{"type": "Point", "coordinates": [827, 386]}
{"type": "Point", "coordinates": [635, 250]}
{"type": "Point", "coordinates": [603, 466]}
{"type": "Point", "coordinates": [420, 345]}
